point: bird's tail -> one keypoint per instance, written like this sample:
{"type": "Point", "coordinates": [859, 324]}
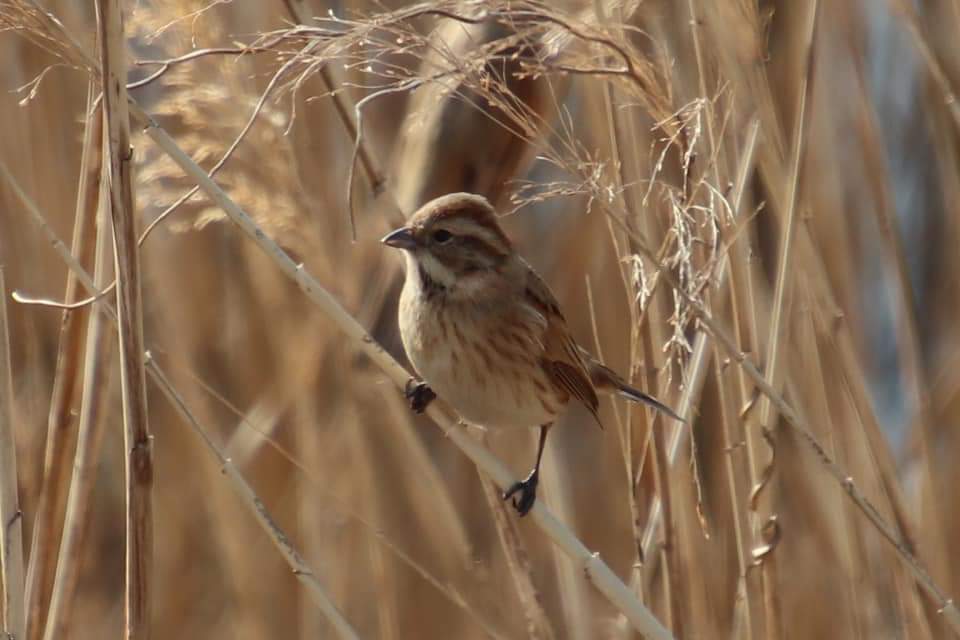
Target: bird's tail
{"type": "Point", "coordinates": [606, 379]}
{"type": "Point", "coordinates": [636, 395]}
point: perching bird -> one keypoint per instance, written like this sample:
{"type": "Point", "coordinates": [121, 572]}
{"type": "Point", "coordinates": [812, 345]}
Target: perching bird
{"type": "Point", "coordinates": [486, 334]}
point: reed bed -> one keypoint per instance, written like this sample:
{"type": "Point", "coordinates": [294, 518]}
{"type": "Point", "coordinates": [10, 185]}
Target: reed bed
{"type": "Point", "coordinates": [746, 206]}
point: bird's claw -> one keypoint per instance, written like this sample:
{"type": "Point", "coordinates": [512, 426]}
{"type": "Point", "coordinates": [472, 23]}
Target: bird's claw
{"type": "Point", "coordinates": [419, 395]}
{"type": "Point", "coordinates": [528, 494]}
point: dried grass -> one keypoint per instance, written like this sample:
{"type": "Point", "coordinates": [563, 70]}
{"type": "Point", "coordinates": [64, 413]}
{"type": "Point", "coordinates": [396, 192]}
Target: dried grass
{"type": "Point", "coordinates": [735, 268]}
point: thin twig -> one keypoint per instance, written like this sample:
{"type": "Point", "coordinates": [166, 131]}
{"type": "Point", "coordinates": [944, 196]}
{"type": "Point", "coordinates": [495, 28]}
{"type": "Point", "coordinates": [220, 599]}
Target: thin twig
{"type": "Point", "coordinates": [341, 102]}
{"type": "Point", "coordinates": [251, 120]}
{"type": "Point", "coordinates": [23, 298]}
{"type": "Point", "coordinates": [359, 144]}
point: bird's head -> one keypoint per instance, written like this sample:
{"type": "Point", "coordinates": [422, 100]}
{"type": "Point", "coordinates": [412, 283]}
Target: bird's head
{"type": "Point", "coordinates": [455, 243]}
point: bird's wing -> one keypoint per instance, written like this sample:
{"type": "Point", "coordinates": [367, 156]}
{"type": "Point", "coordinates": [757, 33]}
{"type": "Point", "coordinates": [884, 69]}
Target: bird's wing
{"type": "Point", "coordinates": [562, 361]}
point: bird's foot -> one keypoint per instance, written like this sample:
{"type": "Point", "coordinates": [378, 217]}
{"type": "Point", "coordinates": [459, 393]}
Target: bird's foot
{"type": "Point", "coordinates": [419, 395]}
{"type": "Point", "coordinates": [528, 493]}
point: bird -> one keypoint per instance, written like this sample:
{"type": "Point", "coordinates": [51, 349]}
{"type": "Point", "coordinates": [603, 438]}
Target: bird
{"type": "Point", "coordinates": [485, 333]}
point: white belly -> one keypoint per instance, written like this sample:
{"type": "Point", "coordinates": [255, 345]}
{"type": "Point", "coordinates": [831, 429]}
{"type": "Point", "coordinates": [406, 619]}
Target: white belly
{"type": "Point", "coordinates": [488, 387]}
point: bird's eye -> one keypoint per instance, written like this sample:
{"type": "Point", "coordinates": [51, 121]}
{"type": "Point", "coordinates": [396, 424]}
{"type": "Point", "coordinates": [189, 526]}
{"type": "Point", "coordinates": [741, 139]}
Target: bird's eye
{"type": "Point", "coordinates": [442, 235]}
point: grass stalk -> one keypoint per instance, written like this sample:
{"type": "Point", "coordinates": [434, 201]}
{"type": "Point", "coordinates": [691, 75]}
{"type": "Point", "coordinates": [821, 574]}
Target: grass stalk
{"type": "Point", "coordinates": [61, 436]}
{"type": "Point", "coordinates": [823, 416]}
{"type": "Point", "coordinates": [840, 344]}
{"type": "Point", "coordinates": [743, 293]}
{"type": "Point", "coordinates": [624, 427]}
{"type": "Point", "coordinates": [674, 586]}
{"type": "Point", "coordinates": [945, 606]}
{"type": "Point", "coordinates": [574, 596]}
{"type": "Point", "coordinates": [138, 468]}
{"type": "Point", "coordinates": [518, 564]}
{"type": "Point", "coordinates": [91, 431]}
{"type": "Point", "coordinates": [784, 268]}
{"type": "Point", "coordinates": [699, 361]}
{"type": "Point", "coordinates": [739, 496]}
{"type": "Point", "coordinates": [299, 567]}
{"type": "Point", "coordinates": [11, 518]}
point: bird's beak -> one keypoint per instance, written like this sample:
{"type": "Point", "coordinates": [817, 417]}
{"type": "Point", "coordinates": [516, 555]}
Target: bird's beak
{"type": "Point", "coordinates": [402, 238]}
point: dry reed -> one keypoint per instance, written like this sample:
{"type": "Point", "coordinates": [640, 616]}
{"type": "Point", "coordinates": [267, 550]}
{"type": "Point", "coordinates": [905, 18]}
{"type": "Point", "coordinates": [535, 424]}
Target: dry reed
{"type": "Point", "coordinates": [750, 251]}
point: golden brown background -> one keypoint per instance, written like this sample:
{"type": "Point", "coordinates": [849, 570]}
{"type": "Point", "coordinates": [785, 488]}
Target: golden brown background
{"type": "Point", "coordinates": [606, 129]}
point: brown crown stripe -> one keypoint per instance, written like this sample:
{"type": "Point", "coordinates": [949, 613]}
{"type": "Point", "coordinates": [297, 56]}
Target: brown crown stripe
{"type": "Point", "coordinates": [462, 205]}
{"type": "Point", "coordinates": [482, 246]}
{"type": "Point", "coordinates": [485, 219]}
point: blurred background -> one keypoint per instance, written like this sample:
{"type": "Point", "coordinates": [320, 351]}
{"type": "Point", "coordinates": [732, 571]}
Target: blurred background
{"type": "Point", "coordinates": [789, 167]}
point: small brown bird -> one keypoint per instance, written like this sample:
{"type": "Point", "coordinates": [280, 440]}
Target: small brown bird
{"type": "Point", "coordinates": [485, 332]}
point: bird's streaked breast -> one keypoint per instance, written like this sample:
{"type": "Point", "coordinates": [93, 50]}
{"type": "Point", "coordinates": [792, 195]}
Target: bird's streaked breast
{"type": "Point", "coordinates": [484, 363]}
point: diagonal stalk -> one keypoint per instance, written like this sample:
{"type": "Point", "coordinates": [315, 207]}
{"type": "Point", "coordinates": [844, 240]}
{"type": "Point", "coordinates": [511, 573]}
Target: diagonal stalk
{"type": "Point", "coordinates": [92, 426]}
{"type": "Point", "coordinates": [299, 567]}
{"type": "Point", "coordinates": [598, 572]}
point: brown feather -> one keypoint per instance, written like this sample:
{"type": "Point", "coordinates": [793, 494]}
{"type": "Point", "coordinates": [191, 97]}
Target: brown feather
{"type": "Point", "coordinates": [572, 380]}
{"type": "Point", "coordinates": [562, 358]}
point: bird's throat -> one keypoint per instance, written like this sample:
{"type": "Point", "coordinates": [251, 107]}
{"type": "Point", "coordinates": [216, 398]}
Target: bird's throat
{"type": "Point", "coordinates": [430, 287]}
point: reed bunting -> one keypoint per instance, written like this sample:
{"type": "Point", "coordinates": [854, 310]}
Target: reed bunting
{"type": "Point", "coordinates": [485, 332]}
